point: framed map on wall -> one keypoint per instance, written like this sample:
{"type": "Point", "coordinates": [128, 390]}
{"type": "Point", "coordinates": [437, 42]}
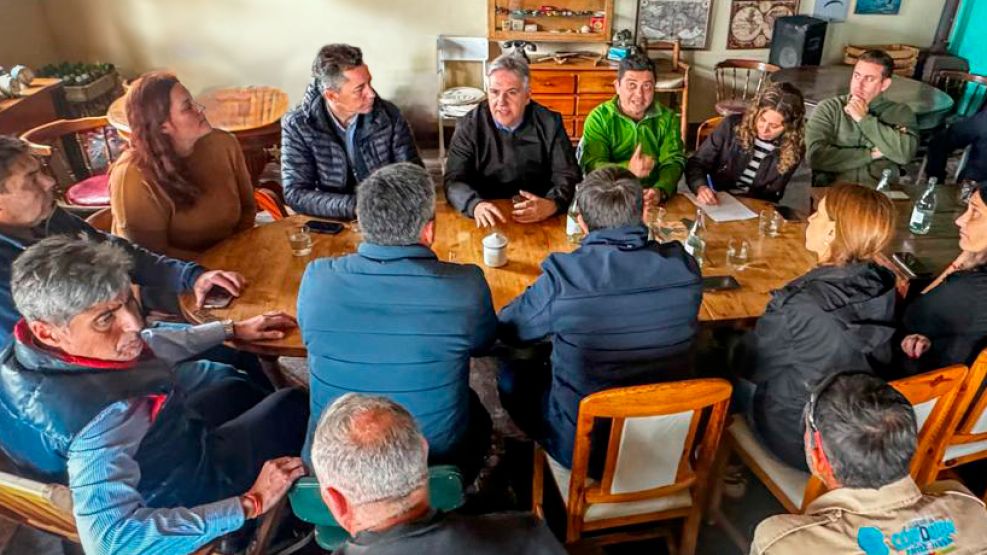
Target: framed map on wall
{"type": "Point", "coordinates": [753, 21]}
{"type": "Point", "coordinates": [686, 20]}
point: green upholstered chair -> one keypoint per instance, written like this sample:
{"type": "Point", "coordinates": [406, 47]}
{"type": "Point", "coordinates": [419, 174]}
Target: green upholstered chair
{"type": "Point", "coordinates": [445, 491]}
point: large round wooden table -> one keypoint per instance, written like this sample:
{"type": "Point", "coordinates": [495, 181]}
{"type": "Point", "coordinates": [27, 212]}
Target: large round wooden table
{"type": "Point", "coordinates": [818, 83]}
{"type": "Point", "coordinates": [253, 114]}
{"type": "Point", "coordinates": [262, 255]}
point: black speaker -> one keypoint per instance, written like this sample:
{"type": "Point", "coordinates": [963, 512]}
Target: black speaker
{"type": "Point", "coordinates": [797, 41]}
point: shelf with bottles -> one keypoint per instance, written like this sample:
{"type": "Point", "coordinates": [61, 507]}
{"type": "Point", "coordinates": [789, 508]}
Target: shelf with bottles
{"type": "Point", "coordinates": [575, 21]}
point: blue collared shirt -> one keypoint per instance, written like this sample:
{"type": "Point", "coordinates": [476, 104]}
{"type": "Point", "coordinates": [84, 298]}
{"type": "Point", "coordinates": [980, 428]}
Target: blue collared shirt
{"type": "Point", "coordinates": [110, 513]}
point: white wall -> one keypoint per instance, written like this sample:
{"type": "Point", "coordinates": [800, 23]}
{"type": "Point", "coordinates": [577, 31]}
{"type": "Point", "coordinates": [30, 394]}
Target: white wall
{"type": "Point", "coordinates": [243, 42]}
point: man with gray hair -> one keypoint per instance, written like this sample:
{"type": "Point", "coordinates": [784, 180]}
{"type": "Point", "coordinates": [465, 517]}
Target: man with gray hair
{"type": "Point", "coordinates": [393, 320]}
{"type": "Point", "coordinates": [117, 412]}
{"type": "Point", "coordinates": [370, 460]}
{"type": "Point", "coordinates": [339, 134]}
{"type": "Point", "coordinates": [620, 310]}
{"type": "Point", "coordinates": [509, 146]}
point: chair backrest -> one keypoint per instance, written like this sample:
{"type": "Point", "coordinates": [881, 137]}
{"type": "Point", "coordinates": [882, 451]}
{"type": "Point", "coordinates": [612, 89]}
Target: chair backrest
{"type": "Point", "coordinates": [672, 46]}
{"type": "Point", "coordinates": [706, 129]}
{"type": "Point", "coordinates": [102, 220]}
{"type": "Point", "coordinates": [968, 90]}
{"type": "Point", "coordinates": [966, 424]}
{"type": "Point", "coordinates": [932, 395]}
{"type": "Point", "coordinates": [43, 506]}
{"type": "Point", "coordinates": [653, 447]}
{"type": "Point", "coordinates": [450, 48]}
{"type": "Point", "coordinates": [75, 149]}
{"type": "Point", "coordinates": [741, 79]}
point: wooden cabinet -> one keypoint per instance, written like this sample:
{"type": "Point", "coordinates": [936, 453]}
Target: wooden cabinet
{"type": "Point", "coordinates": [573, 89]}
{"type": "Point", "coordinates": [562, 21]}
{"type": "Point", "coordinates": [37, 105]}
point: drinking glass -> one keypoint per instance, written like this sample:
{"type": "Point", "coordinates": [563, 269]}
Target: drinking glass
{"type": "Point", "coordinates": [656, 217]}
{"type": "Point", "coordinates": [774, 227]}
{"type": "Point", "coordinates": [738, 253]}
{"type": "Point", "coordinates": [764, 222]}
{"type": "Point", "coordinates": [300, 240]}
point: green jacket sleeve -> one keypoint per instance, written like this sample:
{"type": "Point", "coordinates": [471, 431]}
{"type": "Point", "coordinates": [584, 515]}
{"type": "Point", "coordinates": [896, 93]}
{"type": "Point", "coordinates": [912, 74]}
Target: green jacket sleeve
{"type": "Point", "coordinates": [822, 150]}
{"type": "Point", "coordinates": [671, 157]}
{"type": "Point", "coordinates": [892, 132]}
{"type": "Point", "coordinates": [595, 144]}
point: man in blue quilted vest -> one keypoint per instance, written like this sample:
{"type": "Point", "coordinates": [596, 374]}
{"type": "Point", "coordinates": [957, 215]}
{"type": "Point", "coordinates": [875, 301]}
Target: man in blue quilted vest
{"type": "Point", "coordinates": [161, 456]}
{"type": "Point", "coordinates": [339, 134]}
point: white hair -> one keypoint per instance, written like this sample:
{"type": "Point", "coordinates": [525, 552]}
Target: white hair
{"type": "Point", "coordinates": [514, 64]}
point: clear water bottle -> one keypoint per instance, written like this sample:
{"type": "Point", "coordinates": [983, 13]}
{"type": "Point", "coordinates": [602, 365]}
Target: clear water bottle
{"type": "Point", "coordinates": [572, 230]}
{"type": "Point", "coordinates": [694, 243]}
{"type": "Point", "coordinates": [925, 207]}
{"type": "Point", "coordinates": [884, 185]}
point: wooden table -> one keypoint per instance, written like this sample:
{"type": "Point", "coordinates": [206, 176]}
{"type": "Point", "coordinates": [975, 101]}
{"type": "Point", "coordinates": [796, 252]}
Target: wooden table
{"type": "Point", "coordinates": [37, 105]}
{"type": "Point", "coordinates": [263, 256]}
{"type": "Point", "coordinates": [253, 114]}
{"type": "Point", "coordinates": [818, 83]}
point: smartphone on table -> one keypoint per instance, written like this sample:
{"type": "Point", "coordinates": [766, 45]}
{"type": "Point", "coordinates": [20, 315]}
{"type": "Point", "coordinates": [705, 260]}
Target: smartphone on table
{"type": "Point", "coordinates": [217, 297]}
{"type": "Point", "coordinates": [911, 265]}
{"type": "Point", "coordinates": [328, 228]}
{"type": "Point", "coordinates": [720, 283]}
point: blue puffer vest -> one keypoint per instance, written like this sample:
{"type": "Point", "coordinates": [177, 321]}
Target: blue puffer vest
{"type": "Point", "coordinates": [47, 399]}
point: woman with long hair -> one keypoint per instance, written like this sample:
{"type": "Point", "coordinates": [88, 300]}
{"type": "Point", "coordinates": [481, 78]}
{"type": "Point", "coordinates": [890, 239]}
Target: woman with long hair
{"type": "Point", "coordinates": [755, 153]}
{"type": "Point", "coordinates": [838, 317]}
{"type": "Point", "coordinates": [182, 186]}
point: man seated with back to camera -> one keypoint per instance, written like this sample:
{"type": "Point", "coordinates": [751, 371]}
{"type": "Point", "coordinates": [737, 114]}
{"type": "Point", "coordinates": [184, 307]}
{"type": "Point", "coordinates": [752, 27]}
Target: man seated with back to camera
{"type": "Point", "coordinates": [370, 459]}
{"type": "Point", "coordinates": [160, 455]}
{"type": "Point", "coordinates": [860, 437]}
{"type": "Point", "coordinates": [621, 310]}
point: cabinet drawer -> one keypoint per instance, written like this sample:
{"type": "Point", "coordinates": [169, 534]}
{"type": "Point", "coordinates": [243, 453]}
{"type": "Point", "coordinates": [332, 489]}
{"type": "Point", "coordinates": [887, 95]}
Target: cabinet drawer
{"type": "Point", "coordinates": [552, 82]}
{"type": "Point", "coordinates": [569, 124]}
{"type": "Point", "coordinates": [578, 127]}
{"type": "Point", "coordinates": [586, 102]}
{"type": "Point", "coordinates": [596, 82]}
{"type": "Point", "coordinates": [563, 104]}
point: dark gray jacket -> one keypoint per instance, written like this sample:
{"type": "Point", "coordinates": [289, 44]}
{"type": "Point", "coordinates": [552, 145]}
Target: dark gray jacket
{"type": "Point", "coordinates": [438, 532]}
{"type": "Point", "coordinates": [315, 172]}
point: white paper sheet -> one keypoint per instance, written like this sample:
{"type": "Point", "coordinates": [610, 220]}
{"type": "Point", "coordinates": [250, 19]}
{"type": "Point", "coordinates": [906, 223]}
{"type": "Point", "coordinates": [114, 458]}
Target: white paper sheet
{"type": "Point", "coordinates": [728, 210]}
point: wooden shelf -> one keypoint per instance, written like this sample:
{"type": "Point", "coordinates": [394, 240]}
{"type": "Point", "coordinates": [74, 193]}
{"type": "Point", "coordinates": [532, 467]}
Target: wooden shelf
{"type": "Point", "coordinates": [568, 25]}
{"type": "Point", "coordinates": [545, 36]}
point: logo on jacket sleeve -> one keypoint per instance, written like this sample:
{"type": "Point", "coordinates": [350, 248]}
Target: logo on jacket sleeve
{"type": "Point", "coordinates": [923, 536]}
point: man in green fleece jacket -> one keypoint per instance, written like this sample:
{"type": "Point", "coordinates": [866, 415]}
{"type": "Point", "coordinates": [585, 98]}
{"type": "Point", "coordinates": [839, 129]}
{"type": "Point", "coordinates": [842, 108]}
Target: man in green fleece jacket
{"type": "Point", "coordinates": [633, 131]}
{"type": "Point", "coordinates": [855, 137]}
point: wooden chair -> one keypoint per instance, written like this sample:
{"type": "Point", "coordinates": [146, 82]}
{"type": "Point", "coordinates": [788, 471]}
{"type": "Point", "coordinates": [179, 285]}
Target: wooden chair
{"type": "Point", "coordinates": [78, 154]}
{"type": "Point", "coordinates": [268, 201]}
{"type": "Point", "coordinates": [968, 91]}
{"type": "Point", "coordinates": [932, 395]}
{"type": "Point", "coordinates": [102, 220]}
{"type": "Point", "coordinates": [672, 78]}
{"type": "Point", "coordinates": [965, 431]}
{"type": "Point", "coordinates": [657, 462]}
{"type": "Point", "coordinates": [731, 98]}
{"type": "Point", "coordinates": [706, 129]}
{"type": "Point", "coordinates": [48, 507]}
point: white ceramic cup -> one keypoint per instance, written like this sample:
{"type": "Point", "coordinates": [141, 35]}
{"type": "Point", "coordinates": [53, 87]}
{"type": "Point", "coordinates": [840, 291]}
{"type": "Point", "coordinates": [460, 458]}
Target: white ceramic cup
{"type": "Point", "coordinates": [495, 250]}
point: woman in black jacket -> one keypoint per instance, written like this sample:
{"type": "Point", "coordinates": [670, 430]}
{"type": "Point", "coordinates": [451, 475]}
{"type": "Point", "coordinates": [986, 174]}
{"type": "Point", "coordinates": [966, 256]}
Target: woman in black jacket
{"type": "Point", "coordinates": [754, 154]}
{"type": "Point", "coordinates": [838, 317]}
{"type": "Point", "coordinates": [947, 324]}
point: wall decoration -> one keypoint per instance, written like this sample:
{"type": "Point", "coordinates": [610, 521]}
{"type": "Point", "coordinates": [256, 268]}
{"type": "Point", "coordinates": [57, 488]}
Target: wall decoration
{"type": "Point", "coordinates": [833, 11]}
{"type": "Point", "coordinates": [686, 20]}
{"type": "Point", "coordinates": [753, 21]}
{"type": "Point", "coordinates": [878, 7]}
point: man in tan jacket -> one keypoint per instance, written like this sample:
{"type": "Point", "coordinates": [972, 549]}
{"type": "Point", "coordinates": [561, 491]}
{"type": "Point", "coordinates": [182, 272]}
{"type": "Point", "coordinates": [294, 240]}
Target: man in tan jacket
{"type": "Point", "coordinates": [859, 440]}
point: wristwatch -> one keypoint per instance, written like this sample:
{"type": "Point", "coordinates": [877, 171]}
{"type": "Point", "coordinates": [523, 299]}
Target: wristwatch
{"type": "Point", "coordinates": [229, 328]}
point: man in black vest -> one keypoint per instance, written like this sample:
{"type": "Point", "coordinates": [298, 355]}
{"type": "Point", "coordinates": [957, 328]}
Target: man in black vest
{"type": "Point", "coordinates": [92, 399]}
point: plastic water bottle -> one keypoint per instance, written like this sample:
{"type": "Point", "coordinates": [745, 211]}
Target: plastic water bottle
{"type": "Point", "coordinates": [694, 243]}
{"type": "Point", "coordinates": [572, 230]}
{"type": "Point", "coordinates": [925, 207]}
{"type": "Point", "coordinates": [884, 185]}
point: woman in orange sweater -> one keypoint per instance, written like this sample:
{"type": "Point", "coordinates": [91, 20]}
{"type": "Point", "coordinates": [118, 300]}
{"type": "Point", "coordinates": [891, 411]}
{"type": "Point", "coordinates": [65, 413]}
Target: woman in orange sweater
{"type": "Point", "coordinates": [182, 186]}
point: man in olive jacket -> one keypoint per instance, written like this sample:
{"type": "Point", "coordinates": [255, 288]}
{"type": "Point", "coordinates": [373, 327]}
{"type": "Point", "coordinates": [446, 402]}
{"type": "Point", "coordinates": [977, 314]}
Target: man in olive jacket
{"type": "Point", "coordinates": [855, 137]}
{"type": "Point", "coordinates": [633, 131]}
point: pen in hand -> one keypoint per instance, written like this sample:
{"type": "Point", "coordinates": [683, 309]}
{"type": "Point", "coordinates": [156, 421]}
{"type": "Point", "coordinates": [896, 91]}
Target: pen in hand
{"type": "Point", "coordinates": [709, 196]}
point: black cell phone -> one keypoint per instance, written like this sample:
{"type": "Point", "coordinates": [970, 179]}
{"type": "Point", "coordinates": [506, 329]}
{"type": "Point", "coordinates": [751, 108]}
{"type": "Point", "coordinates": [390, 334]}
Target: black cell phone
{"type": "Point", "coordinates": [720, 283]}
{"type": "Point", "coordinates": [217, 297]}
{"type": "Point", "coordinates": [789, 213]}
{"type": "Point", "coordinates": [911, 265]}
{"type": "Point", "coordinates": [329, 228]}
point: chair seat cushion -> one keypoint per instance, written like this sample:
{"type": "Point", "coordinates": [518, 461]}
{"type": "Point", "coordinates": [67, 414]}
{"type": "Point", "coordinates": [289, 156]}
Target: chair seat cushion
{"type": "Point", "coordinates": [460, 96]}
{"type": "Point", "coordinates": [604, 511]}
{"type": "Point", "coordinates": [94, 191]}
{"type": "Point", "coordinates": [731, 106]}
{"type": "Point", "coordinates": [964, 449]}
{"type": "Point", "coordinates": [670, 80]}
{"type": "Point", "coordinates": [791, 481]}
